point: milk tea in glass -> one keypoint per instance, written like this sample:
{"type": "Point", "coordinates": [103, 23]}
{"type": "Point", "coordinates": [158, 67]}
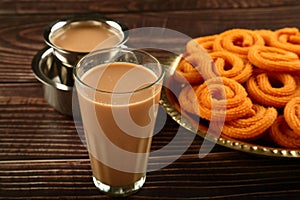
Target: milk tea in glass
{"type": "Point", "coordinates": [118, 92]}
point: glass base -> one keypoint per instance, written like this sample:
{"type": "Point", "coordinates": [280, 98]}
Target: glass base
{"type": "Point", "coordinates": [120, 191]}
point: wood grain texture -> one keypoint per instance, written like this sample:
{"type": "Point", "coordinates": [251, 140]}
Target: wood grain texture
{"type": "Point", "coordinates": [41, 153]}
{"type": "Point", "coordinates": [107, 6]}
{"type": "Point", "coordinates": [238, 176]}
{"type": "Point", "coordinates": [21, 34]}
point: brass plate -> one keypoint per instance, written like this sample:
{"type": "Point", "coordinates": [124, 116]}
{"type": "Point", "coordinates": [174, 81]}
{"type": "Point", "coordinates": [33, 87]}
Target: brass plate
{"type": "Point", "coordinates": [226, 142]}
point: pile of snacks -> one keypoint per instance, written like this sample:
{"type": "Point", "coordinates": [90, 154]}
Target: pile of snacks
{"type": "Point", "coordinates": [248, 78]}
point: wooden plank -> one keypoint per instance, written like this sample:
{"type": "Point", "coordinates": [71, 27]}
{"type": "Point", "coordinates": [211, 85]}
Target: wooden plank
{"type": "Point", "coordinates": [126, 6]}
{"type": "Point", "coordinates": [217, 175]}
{"type": "Point", "coordinates": [29, 92]}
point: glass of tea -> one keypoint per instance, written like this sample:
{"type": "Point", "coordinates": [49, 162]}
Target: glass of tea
{"type": "Point", "coordinates": [118, 92]}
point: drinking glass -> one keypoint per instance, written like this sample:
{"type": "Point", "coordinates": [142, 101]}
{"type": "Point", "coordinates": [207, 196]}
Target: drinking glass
{"type": "Point", "coordinates": [118, 92]}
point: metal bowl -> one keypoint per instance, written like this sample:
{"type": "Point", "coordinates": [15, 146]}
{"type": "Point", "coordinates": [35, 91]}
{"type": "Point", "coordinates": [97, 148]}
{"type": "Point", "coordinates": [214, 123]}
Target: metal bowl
{"type": "Point", "coordinates": [47, 70]}
{"type": "Point", "coordinates": [70, 58]}
{"type": "Point", "coordinates": [53, 66]}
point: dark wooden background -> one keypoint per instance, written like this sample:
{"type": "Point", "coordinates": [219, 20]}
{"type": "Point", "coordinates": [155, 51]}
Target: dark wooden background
{"type": "Point", "coordinates": [41, 155]}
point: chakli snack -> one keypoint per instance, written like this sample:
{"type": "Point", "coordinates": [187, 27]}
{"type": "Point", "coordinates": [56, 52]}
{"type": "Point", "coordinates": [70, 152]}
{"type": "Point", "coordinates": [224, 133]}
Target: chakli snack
{"type": "Point", "coordinates": [206, 42]}
{"type": "Point", "coordinates": [281, 133]}
{"type": "Point", "coordinates": [267, 35]}
{"type": "Point", "coordinates": [222, 98]}
{"type": "Point", "coordinates": [188, 100]}
{"type": "Point", "coordinates": [195, 67]}
{"type": "Point", "coordinates": [292, 114]}
{"type": "Point", "coordinates": [261, 89]}
{"type": "Point", "coordinates": [253, 83]}
{"type": "Point", "coordinates": [287, 38]}
{"type": "Point", "coordinates": [187, 71]}
{"type": "Point", "coordinates": [231, 66]}
{"type": "Point", "coordinates": [251, 126]}
{"type": "Point", "coordinates": [273, 59]}
{"type": "Point", "coordinates": [238, 41]}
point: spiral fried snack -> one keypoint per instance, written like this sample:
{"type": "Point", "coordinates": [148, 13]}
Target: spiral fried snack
{"type": "Point", "coordinates": [251, 127]}
{"type": "Point", "coordinates": [237, 41]}
{"type": "Point", "coordinates": [287, 39]}
{"type": "Point", "coordinates": [196, 67]}
{"type": "Point", "coordinates": [187, 71]}
{"type": "Point", "coordinates": [292, 114]}
{"type": "Point", "coordinates": [273, 59]}
{"type": "Point", "coordinates": [231, 66]}
{"type": "Point", "coordinates": [267, 35]}
{"type": "Point", "coordinates": [223, 98]}
{"type": "Point", "coordinates": [281, 134]}
{"type": "Point", "coordinates": [206, 42]}
{"type": "Point", "coordinates": [272, 89]}
{"type": "Point", "coordinates": [188, 100]}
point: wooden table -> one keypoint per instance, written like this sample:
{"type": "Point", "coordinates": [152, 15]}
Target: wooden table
{"type": "Point", "coordinates": [41, 155]}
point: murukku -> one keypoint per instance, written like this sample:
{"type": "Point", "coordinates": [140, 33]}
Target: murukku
{"type": "Point", "coordinates": [251, 127]}
{"type": "Point", "coordinates": [273, 59]}
{"type": "Point", "coordinates": [187, 72]}
{"type": "Point", "coordinates": [206, 42]}
{"type": "Point", "coordinates": [231, 66]}
{"type": "Point", "coordinates": [292, 114]}
{"type": "Point", "coordinates": [281, 134]}
{"type": "Point", "coordinates": [237, 41]}
{"type": "Point", "coordinates": [222, 98]}
{"type": "Point", "coordinates": [267, 35]}
{"type": "Point", "coordinates": [188, 100]}
{"type": "Point", "coordinates": [196, 67]}
{"type": "Point", "coordinates": [287, 39]}
{"type": "Point", "coordinates": [272, 89]}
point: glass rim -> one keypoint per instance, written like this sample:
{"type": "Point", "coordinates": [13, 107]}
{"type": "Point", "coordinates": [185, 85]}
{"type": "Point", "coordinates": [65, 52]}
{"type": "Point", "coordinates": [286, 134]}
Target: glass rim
{"type": "Point", "coordinates": [85, 85]}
